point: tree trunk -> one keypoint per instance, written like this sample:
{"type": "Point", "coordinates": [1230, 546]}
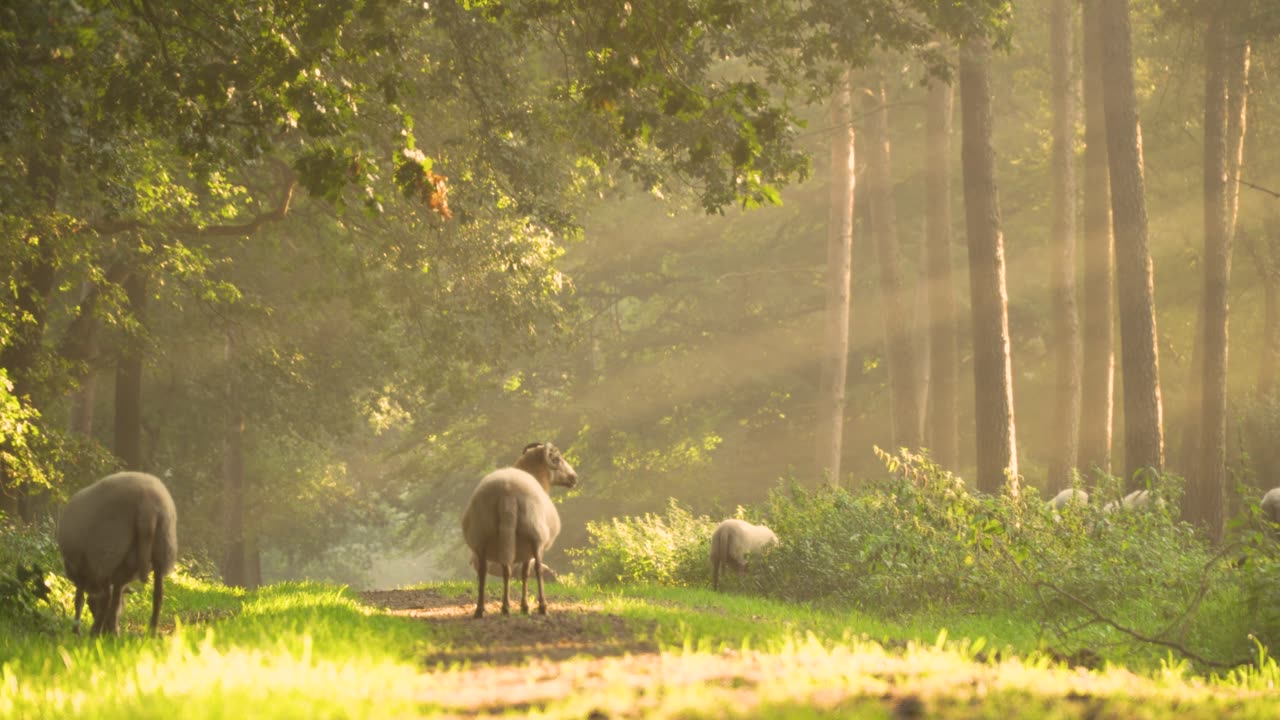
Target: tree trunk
{"type": "Point", "coordinates": [1143, 423]}
{"type": "Point", "coordinates": [86, 344]}
{"type": "Point", "coordinates": [992, 367]}
{"type": "Point", "coordinates": [1066, 316]}
{"type": "Point", "coordinates": [835, 360]}
{"type": "Point", "coordinates": [894, 309]}
{"type": "Point", "coordinates": [943, 415]}
{"type": "Point", "coordinates": [1097, 385]}
{"type": "Point", "coordinates": [234, 570]}
{"type": "Point", "coordinates": [1208, 486]}
{"type": "Point", "coordinates": [128, 405]}
{"type": "Point", "coordinates": [1238, 56]}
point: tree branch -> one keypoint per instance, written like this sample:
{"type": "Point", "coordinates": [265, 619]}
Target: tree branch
{"type": "Point", "coordinates": [244, 229]}
{"type": "Point", "coordinates": [1259, 188]}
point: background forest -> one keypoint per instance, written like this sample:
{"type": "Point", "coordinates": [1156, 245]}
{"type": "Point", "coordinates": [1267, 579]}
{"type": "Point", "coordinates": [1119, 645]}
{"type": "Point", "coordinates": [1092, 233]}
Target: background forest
{"type": "Point", "coordinates": [321, 268]}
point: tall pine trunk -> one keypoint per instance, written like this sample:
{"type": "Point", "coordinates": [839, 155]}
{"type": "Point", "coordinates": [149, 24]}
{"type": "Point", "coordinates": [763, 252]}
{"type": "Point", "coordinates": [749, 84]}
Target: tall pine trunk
{"type": "Point", "coordinates": [1066, 315]}
{"type": "Point", "coordinates": [1097, 383]}
{"type": "Point", "coordinates": [1143, 421]}
{"type": "Point", "coordinates": [234, 569]}
{"type": "Point", "coordinates": [128, 401]}
{"type": "Point", "coordinates": [835, 357]}
{"type": "Point", "coordinates": [1224, 69]}
{"type": "Point", "coordinates": [992, 368]}
{"type": "Point", "coordinates": [943, 415]}
{"type": "Point", "coordinates": [894, 308]}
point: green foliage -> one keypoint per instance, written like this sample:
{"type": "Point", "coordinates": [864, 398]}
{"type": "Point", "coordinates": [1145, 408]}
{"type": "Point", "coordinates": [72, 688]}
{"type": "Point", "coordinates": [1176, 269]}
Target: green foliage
{"type": "Point", "coordinates": [27, 556]}
{"type": "Point", "coordinates": [669, 549]}
{"type": "Point", "coordinates": [917, 541]}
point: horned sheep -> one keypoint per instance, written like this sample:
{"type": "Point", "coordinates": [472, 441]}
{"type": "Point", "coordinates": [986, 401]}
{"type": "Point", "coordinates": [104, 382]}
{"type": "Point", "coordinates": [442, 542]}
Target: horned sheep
{"type": "Point", "coordinates": [119, 529]}
{"type": "Point", "coordinates": [732, 543]}
{"type": "Point", "coordinates": [510, 520]}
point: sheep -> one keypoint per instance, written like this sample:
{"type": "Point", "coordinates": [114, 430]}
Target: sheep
{"type": "Point", "coordinates": [495, 570]}
{"type": "Point", "coordinates": [1072, 496]}
{"type": "Point", "coordinates": [510, 520]}
{"type": "Point", "coordinates": [1136, 500]}
{"type": "Point", "coordinates": [117, 530]}
{"type": "Point", "coordinates": [1271, 505]}
{"type": "Point", "coordinates": [732, 542]}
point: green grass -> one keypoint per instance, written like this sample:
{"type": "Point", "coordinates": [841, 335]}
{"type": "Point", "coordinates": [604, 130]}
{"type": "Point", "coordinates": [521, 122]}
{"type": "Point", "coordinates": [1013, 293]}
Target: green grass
{"type": "Point", "coordinates": [310, 650]}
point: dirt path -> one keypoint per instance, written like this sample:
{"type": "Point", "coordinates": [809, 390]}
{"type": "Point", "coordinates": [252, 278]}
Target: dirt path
{"type": "Point", "coordinates": [585, 662]}
{"type": "Point", "coordinates": [568, 630]}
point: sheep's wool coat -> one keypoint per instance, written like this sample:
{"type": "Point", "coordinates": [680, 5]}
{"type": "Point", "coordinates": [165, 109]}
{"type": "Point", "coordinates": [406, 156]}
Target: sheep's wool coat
{"type": "Point", "coordinates": [733, 540]}
{"type": "Point", "coordinates": [101, 525]}
{"type": "Point", "coordinates": [1067, 496]}
{"type": "Point", "coordinates": [537, 523]}
{"type": "Point", "coordinates": [1271, 505]}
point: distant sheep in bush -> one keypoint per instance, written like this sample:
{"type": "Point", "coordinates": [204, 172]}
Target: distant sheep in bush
{"type": "Point", "coordinates": [1136, 500]}
{"type": "Point", "coordinates": [1070, 495]}
{"type": "Point", "coordinates": [1271, 505]}
{"type": "Point", "coordinates": [732, 542]}
{"type": "Point", "coordinates": [510, 520]}
{"type": "Point", "coordinates": [122, 528]}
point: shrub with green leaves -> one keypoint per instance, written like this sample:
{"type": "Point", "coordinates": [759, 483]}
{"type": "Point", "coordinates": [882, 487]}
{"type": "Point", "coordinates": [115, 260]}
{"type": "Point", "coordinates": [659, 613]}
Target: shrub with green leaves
{"type": "Point", "coordinates": [28, 559]}
{"type": "Point", "coordinates": [670, 549]}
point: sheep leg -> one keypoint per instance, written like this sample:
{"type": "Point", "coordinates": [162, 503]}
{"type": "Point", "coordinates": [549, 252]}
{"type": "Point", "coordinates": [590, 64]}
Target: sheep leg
{"type": "Point", "coordinates": [715, 575]}
{"type": "Point", "coordinates": [482, 570]}
{"type": "Point", "coordinates": [524, 586]}
{"type": "Point", "coordinates": [537, 566]}
{"type": "Point", "coordinates": [99, 603]}
{"type": "Point", "coordinates": [115, 607]}
{"type": "Point", "coordinates": [75, 628]}
{"type": "Point", "coordinates": [506, 589]}
{"type": "Point", "coordinates": [157, 599]}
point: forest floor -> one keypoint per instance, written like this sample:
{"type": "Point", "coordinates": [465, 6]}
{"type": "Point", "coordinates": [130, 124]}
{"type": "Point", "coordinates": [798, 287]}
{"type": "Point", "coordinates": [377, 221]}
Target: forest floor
{"type": "Point", "coordinates": [587, 659]}
{"type": "Point", "coordinates": [292, 650]}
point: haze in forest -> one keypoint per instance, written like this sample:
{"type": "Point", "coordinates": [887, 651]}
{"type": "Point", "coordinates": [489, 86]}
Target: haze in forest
{"type": "Point", "coordinates": [322, 274]}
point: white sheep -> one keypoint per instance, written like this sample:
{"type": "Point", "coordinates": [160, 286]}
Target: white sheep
{"type": "Point", "coordinates": [1271, 505]}
{"type": "Point", "coordinates": [1136, 500]}
{"type": "Point", "coordinates": [122, 528]}
{"type": "Point", "coordinates": [732, 542]}
{"type": "Point", "coordinates": [1070, 495]}
{"type": "Point", "coordinates": [510, 520]}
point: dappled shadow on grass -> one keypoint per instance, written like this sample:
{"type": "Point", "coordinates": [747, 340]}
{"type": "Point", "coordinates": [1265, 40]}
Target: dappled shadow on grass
{"type": "Point", "coordinates": [570, 629]}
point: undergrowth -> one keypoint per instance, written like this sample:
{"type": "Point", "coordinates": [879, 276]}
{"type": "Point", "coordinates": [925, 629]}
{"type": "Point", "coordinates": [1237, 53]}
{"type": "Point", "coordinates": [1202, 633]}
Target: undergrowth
{"type": "Point", "coordinates": [1099, 582]}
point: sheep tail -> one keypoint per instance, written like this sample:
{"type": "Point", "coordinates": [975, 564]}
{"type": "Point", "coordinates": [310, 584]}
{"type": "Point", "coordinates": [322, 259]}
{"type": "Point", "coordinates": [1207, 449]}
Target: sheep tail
{"type": "Point", "coordinates": [146, 537]}
{"type": "Point", "coordinates": [508, 512]}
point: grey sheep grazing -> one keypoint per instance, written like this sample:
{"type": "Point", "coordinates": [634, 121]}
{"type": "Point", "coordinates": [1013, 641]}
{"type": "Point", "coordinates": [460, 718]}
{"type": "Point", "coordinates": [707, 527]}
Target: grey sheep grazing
{"type": "Point", "coordinates": [510, 520]}
{"type": "Point", "coordinates": [1271, 505]}
{"type": "Point", "coordinates": [731, 544]}
{"type": "Point", "coordinates": [122, 528]}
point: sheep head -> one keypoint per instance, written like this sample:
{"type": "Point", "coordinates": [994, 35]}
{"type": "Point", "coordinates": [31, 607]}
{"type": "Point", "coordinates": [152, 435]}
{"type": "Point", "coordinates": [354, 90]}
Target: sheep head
{"type": "Point", "coordinates": [545, 462]}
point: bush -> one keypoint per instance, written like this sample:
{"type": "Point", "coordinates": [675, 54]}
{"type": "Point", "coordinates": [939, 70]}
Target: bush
{"type": "Point", "coordinates": [28, 560]}
{"type": "Point", "coordinates": [670, 549]}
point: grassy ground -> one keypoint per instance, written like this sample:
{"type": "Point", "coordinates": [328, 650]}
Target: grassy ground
{"type": "Point", "coordinates": [305, 650]}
